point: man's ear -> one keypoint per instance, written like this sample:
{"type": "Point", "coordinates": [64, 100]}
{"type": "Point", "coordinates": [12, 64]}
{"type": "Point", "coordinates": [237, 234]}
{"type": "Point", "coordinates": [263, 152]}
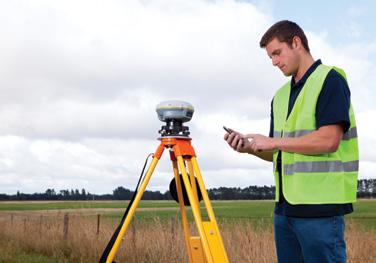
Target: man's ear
{"type": "Point", "coordinates": [296, 42]}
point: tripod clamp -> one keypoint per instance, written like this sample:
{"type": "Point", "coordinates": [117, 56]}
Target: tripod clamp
{"type": "Point", "coordinates": [174, 128]}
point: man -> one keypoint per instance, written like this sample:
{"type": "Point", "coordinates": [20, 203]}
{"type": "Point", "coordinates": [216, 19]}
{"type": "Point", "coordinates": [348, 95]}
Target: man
{"type": "Point", "coordinates": [314, 148]}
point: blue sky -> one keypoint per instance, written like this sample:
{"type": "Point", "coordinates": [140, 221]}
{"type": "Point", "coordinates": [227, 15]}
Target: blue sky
{"type": "Point", "coordinates": [342, 20]}
{"type": "Point", "coordinates": [80, 79]}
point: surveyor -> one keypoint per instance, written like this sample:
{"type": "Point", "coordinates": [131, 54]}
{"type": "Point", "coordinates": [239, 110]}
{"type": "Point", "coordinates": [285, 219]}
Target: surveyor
{"type": "Point", "coordinates": [314, 149]}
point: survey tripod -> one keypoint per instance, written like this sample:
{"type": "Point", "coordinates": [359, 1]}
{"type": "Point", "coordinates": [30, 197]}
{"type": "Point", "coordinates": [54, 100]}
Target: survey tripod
{"type": "Point", "coordinates": [208, 246]}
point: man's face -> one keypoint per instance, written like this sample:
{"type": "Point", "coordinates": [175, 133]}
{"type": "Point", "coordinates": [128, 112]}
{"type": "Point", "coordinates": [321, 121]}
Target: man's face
{"type": "Point", "coordinates": [283, 56]}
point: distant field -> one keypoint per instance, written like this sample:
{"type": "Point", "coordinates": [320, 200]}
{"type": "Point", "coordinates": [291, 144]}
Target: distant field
{"type": "Point", "coordinates": [365, 210]}
{"type": "Point", "coordinates": [51, 205]}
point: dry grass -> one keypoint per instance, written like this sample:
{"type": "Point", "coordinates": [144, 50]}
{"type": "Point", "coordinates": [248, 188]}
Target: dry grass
{"type": "Point", "coordinates": [151, 242]}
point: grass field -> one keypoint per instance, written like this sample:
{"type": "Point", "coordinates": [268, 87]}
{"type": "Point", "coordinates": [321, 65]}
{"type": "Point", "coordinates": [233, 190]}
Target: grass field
{"type": "Point", "coordinates": [365, 210]}
{"type": "Point", "coordinates": [33, 231]}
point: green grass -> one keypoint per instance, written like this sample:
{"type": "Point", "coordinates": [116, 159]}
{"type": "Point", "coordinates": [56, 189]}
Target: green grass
{"type": "Point", "coordinates": [51, 205]}
{"type": "Point", "coordinates": [365, 210]}
{"type": "Point", "coordinates": [364, 214]}
{"type": "Point", "coordinates": [21, 256]}
{"type": "Point", "coordinates": [11, 252]}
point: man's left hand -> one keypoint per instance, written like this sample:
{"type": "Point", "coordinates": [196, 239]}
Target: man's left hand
{"type": "Point", "coordinates": [261, 143]}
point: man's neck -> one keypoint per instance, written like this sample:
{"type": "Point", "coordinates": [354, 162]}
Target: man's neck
{"type": "Point", "coordinates": [304, 65]}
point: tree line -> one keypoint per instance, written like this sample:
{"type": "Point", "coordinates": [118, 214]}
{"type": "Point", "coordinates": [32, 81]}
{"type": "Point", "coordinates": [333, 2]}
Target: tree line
{"type": "Point", "coordinates": [366, 189]}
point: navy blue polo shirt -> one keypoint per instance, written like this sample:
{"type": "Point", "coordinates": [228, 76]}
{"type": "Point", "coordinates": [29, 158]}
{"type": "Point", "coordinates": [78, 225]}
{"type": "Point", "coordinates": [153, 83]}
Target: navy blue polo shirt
{"type": "Point", "coordinates": [332, 108]}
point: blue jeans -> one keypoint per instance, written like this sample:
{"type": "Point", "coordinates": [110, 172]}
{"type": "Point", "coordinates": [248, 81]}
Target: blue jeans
{"type": "Point", "coordinates": [310, 240]}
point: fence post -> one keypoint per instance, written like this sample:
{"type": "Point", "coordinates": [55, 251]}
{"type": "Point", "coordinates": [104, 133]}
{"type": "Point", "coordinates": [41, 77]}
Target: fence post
{"type": "Point", "coordinates": [98, 223]}
{"type": "Point", "coordinates": [11, 219]}
{"type": "Point", "coordinates": [66, 224]}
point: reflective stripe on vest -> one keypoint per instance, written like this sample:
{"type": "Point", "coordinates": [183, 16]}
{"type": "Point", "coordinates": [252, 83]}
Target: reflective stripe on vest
{"type": "Point", "coordinates": [321, 167]}
{"type": "Point", "coordinates": [350, 134]}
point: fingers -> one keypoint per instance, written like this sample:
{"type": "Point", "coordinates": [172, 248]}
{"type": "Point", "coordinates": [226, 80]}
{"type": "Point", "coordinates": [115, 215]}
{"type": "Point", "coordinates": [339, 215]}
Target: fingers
{"type": "Point", "coordinates": [252, 141]}
{"type": "Point", "coordinates": [255, 146]}
{"type": "Point", "coordinates": [240, 145]}
{"type": "Point", "coordinates": [246, 143]}
{"type": "Point", "coordinates": [231, 130]}
{"type": "Point", "coordinates": [233, 139]}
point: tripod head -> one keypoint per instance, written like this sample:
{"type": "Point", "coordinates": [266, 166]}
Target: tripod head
{"type": "Point", "coordinates": [174, 113]}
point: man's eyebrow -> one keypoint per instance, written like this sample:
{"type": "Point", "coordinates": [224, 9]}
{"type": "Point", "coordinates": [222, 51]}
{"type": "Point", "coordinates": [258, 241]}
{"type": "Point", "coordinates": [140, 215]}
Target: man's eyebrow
{"type": "Point", "coordinates": [276, 51]}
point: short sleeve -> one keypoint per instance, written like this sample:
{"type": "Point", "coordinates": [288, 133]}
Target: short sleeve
{"type": "Point", "coordinates": [333, 103]}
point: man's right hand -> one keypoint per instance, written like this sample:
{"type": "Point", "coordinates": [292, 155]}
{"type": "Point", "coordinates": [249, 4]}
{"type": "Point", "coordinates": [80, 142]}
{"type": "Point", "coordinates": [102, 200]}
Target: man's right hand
{"type": "Point", "coordinates": [238, 142]}
{"type": "Point", "coordinates": [241, 144]}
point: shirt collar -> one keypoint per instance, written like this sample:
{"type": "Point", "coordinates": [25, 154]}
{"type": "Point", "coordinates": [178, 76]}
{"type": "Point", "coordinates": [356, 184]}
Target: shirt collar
{"type": "Point", "coordinates": [306, 75]}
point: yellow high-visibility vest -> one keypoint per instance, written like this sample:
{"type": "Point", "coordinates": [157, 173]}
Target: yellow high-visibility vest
{"type": "Point", "coordinates": [329, 178]}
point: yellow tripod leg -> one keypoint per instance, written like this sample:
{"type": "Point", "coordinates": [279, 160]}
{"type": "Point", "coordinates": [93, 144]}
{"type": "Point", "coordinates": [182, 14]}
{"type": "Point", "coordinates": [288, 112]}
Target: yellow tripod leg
{"type": "Point", "coordinates": [218, 247]}
{"type": "Point", "coordinates": [132, 210]}
{"type": "Point", "coordinates": [195, 211]}
{"type": "Point", "coordinates": [183, 212]}
{"type": "Point", "coordinates": [193, 184]}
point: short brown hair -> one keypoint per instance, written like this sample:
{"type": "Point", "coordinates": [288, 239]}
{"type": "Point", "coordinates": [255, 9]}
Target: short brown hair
{"type": "Point", "coordinates": [284, 31]}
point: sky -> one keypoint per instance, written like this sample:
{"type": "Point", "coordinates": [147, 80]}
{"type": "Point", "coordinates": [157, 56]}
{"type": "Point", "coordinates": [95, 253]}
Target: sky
{"type": "Point", "coordinates": [80, 80]}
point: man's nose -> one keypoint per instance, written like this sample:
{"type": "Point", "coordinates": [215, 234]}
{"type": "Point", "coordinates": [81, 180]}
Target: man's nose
{"type": "Point", "coordinates": [275, 61]}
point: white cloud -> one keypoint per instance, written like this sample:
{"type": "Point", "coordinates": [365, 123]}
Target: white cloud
{"type": "Point", "coordinates": [131, 114]}
{"type": "Point", "coordinates": [79, 82]}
